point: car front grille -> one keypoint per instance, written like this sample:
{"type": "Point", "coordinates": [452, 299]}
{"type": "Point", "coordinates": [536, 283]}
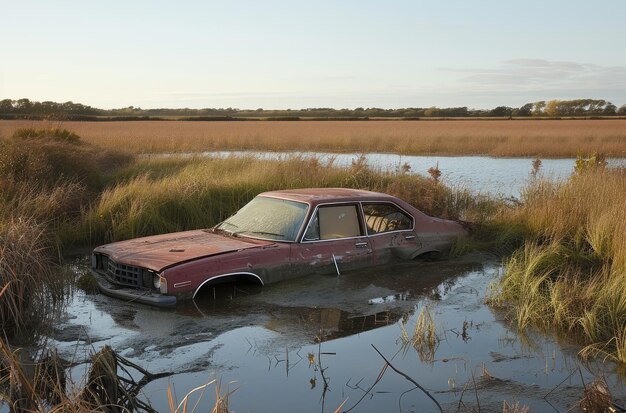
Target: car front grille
{"type": "Point", "coordinates": [124, 274]}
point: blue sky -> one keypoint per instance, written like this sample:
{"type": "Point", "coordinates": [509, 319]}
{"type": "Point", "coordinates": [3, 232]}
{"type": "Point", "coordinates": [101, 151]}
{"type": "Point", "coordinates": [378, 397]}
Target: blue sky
{"type": "Point", "coordinates": [296, 54]}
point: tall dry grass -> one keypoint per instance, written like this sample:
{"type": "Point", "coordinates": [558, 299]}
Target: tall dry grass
{"type": "Point", "coordinates": [47, 178]}
{"type": "Point", "coordinates": [164, 195]}
{"type": "Point", "coordinates": [570, 276]}
{"type": "Point", "coordinates": [539, 138]}
{"type": "Point", "coordinates": [51, 156]}
{"type": "Point", "coordinates": [33, 284]}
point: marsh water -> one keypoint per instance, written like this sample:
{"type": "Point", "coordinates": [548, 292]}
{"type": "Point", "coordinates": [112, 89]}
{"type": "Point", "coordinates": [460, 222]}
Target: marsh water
{"type": "Point", "coordinates": [310, 344]}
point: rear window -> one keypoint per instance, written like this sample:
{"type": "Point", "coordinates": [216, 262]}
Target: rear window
{"type": "Point", "coordinates": [381, 218]}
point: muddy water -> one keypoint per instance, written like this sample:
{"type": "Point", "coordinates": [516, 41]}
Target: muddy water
{"type": "Point", "coordinates": [307, 345]}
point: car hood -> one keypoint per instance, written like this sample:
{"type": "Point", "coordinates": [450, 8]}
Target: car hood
{"type": "Point", "coordinates": [161, 251]}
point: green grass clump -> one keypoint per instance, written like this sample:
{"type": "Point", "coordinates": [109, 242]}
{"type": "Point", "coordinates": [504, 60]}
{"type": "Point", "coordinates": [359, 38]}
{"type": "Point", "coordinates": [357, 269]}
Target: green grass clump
{"type": "Point", "coordinates": [88, 283]}
{"type": "Point", "coordinates": [570, 276]}
{"type": "Point", "coordinates": [56, 134]}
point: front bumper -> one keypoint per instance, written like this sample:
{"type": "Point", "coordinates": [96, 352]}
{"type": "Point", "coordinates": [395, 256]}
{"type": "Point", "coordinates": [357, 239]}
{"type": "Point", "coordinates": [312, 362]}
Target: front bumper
{"type": "Point", "coordinates": [134, 295]}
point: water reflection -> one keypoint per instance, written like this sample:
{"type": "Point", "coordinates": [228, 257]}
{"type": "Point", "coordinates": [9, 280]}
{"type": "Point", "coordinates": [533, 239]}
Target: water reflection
{"type": "Point", "coordinates": [306, 344]}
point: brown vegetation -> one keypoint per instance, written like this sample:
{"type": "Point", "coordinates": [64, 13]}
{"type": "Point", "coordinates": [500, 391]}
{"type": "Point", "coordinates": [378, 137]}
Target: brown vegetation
{"type": "Point", "coordinates": [47, 177]}
{"type": "Point", "coordinates": [537, 138]}
{"type": "Point", "coordinates": [50, 156]}
{"type": "Point", "coordinates": [28, 276]}
{"type": "Point", "coordinates": [570, 275]}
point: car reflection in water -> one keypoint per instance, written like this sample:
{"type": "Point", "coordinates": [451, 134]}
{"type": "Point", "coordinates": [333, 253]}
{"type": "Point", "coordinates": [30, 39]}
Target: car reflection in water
{"type": "Point", "coordinates": [322, 308]}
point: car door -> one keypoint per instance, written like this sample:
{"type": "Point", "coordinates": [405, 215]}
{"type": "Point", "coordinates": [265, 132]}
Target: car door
{"type": "Point", "coordinates": [391, 232]}
{"type": "Point", "coordinates": [334, 242]}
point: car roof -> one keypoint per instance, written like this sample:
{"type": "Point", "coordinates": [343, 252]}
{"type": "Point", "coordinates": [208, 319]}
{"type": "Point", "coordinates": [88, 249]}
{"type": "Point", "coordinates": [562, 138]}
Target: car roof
{"type": "Point", "coordinates": [319, 195]}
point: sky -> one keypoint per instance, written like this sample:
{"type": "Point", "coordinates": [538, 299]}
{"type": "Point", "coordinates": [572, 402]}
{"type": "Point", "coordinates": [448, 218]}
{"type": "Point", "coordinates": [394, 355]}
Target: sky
{"type": "Point", "coordinates": [301, 54]}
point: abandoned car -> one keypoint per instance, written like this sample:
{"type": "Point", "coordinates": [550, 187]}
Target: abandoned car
{"type": "Point", "coordinates": [276, 236]}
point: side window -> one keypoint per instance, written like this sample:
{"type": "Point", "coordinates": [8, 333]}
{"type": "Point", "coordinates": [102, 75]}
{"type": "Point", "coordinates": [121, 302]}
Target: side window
{"type": "Point", "coordinates": [330, 222]}
{"type": "Point", "coordinates": [385, 217]}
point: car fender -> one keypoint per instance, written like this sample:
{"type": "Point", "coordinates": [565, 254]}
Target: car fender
{"type": "Point", "coordinates": [211, 280]}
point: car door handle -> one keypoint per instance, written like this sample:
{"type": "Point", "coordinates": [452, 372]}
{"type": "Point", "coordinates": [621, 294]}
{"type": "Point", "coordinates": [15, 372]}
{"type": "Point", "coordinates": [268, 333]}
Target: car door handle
{"type": "Point", "coordinates": [361, 245]}
{"type": "Point", "coordinates": [409, 237]}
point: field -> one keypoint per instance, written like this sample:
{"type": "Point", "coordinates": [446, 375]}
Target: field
{"type": "Point", "coordinates": [503, 138]}
{"type": "Point", "coordinates": [562, 245]}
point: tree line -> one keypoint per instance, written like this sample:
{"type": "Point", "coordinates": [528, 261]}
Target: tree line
{"type": "Point", "coordinates": [69, 110]}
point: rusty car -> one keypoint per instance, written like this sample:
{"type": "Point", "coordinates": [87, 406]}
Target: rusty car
{"type": "Point", "coordinates": [278, 235]}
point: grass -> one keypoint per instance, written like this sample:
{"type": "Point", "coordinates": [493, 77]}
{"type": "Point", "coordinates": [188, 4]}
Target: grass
{"type": "Point", "coordinates": [220, 405]}
{"type": "Point", "coordinates": [32, 283]}
{"type": "Point", "coordinates": [570, 275]}
{"type": "Point", "coordinates": [47, 179]}
{"type": "Point", "coordinates": [545, 138]}
{"type": "Point", "coordinates": [56, 133]}
{"type": "Point", "coordinates": [54, 156]}
{"type": "Point", "coordinates": [165, 195]}
{"type": "Point", "coordinates": [425, 339]}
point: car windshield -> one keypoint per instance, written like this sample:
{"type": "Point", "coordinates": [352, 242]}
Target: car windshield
{"type": "Point", "coordinates": [269, 218]}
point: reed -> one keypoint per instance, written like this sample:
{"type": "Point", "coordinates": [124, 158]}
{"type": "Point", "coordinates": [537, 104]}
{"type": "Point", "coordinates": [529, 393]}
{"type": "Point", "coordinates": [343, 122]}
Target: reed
{"type": "Point", "coordinates": [34, 286]}
{"type": "Point", "coordinates": [47, 178]}
{"type": "Point", "coordinates": [533, 138]}
{"type": "Point", "coordinates": [424, 338]}
{"type": "Point", "coordinates": [47, 205]}
{"type": "Point", "coordinates": [570, 276]}
{"type": "Point", "coordinates": [514, 407]}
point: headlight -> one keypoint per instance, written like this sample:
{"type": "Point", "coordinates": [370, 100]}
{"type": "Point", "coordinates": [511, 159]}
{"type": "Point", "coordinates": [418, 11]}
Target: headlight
{"type": "Point", "coordinates": [156, 280]}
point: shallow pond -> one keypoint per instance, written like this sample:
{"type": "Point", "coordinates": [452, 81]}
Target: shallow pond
{"type": "Point", "coordinates": [480, 174]}
{"type": "Point", "coordinates": [307, 345]}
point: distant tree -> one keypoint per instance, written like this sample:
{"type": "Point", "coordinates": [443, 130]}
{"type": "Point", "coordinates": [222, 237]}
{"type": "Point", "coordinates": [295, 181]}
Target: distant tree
{"type": "Point", "coordinates": [538, 108]}
{"type": "Point", "coordinates": [6, 106]}
{"type": "Point", "coordinates": [526, 110]}
{"type": "Point", "coordinates": [596, 107]}
{"type": "Point", "coordinates": [579, 107]}
{"type": "Point", "coordinates": [552, 108]}
{"type": "Point", "coordinates": [432, 111]}
{"type": "Point", "coordinates": [501, 111]}
{"type": "Point", "coordinates": [576, 107]}
{"type": "Point", "coordinates": [23, 105]}
{"type": "Point", "coordinates": [610, 109]}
